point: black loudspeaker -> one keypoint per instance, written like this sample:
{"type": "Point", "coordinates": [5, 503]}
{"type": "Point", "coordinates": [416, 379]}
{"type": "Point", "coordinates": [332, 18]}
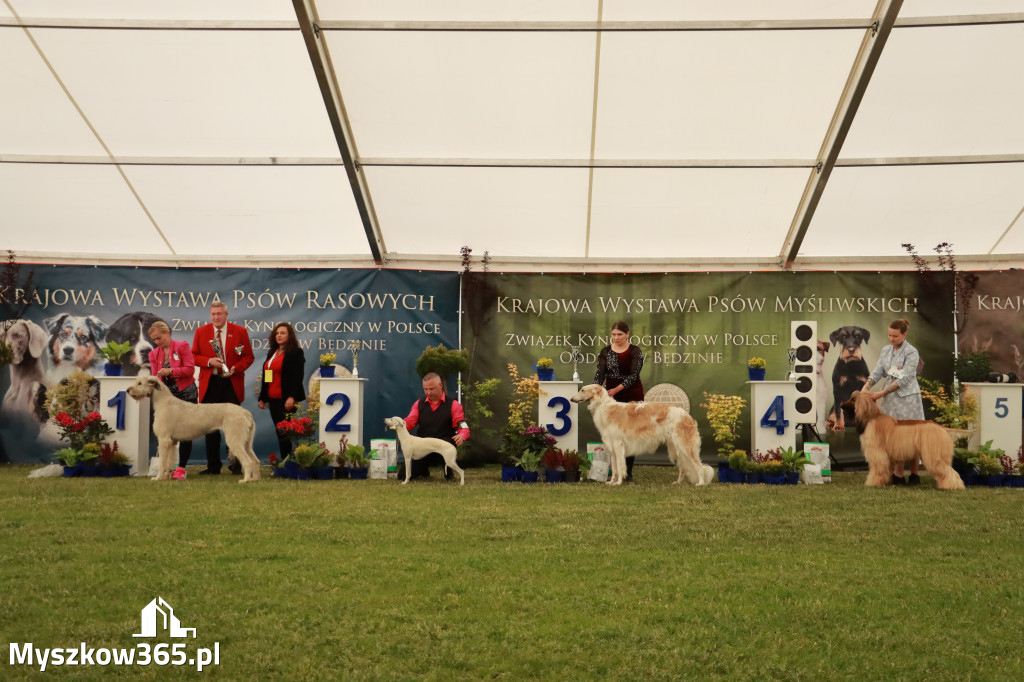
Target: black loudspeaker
{"type": "Point", "coordinates": [803, 338]}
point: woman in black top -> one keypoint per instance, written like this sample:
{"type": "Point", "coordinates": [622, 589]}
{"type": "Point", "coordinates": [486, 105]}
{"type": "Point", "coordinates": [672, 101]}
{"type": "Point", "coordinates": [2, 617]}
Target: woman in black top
{"type": "Point", "coordinates": [618, 370]}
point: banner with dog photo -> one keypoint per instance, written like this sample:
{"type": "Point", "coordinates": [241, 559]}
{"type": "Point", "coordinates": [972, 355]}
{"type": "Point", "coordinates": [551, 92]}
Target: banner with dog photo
{"type": "Point", "coordinates": [698, 330]}
{"type": "Point", "coordinates": [391, 315]}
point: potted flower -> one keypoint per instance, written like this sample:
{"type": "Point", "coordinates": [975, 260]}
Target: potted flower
{"type": "Point", "coordinates": [295, 428]}
{"type": "Point", "coordinates": [545, 369]}
{"type": "Point", "coordinates": [90, 459]}
{"type": "Point", "coordinates": [1016, 477]}
{"type": "Point", "coordinates": [313, 459]}
{"type": "Point", "coordinates": [357, 461]}
{"type": "Point", "coordinates": [955, 408]}
{"type": "Point", "coordinates": [988, 465]}
{"type": "Point", "coordinates": [553, 469]}
{"type": "Point", "coordinates": [734, 470]}
{"type": "Point", "coordinates": [793, 461]}
{"type": "Point", "coordinates": [572, 464]}
{"type": "Point", "coordinates": [327, 364]}
{"type": "Point", "coordinates": [113, 462]}
{"type": "Point", "coordinates": [528, 462]}
{"type": "Point", "coordinates": [756, 368]}
{"type": "Point", "coordinates": [113, 351]}
{"type": "Point", "coordinates": [279, 466]}
{"type": "Point", "coordinates": [70, 459]}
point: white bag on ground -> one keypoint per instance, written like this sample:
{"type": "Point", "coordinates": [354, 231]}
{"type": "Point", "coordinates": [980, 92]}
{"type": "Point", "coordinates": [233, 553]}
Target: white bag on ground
{"type": "Point", "coordinates": [48, 471]}
{"type": "Point", "coordinates": [386, 463]}
{"type": "Point", "coordinates": [811, 474]}
{"type": "Point", "coordinates": [600, 467]}
{"type": "Point", "coordinates": [818, 454]}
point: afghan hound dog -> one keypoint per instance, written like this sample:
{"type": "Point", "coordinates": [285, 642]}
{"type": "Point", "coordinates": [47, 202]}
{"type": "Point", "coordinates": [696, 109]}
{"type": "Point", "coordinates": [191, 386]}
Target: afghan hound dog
{"type": "Point", "coordinates": [886, 442]}
{"type": "Point", "coordinates": [638, 428]}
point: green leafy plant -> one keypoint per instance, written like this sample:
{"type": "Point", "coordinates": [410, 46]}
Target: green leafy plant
{"type": "Point", "coordinates": [987, 459]}
{"type": "Point", "coordinates": [90, 453]}
{"type": "Point", "coordinates": [355, 456]}
{"type": "Point", "coordinates": [443, 361]}
{"type": "Point", "coordinates": [954, 407]}
{"type": "Point", "coordinates": [792, 459]}
{"type": "Point", "coordinates": [972, 366]}
{"type": "Point", "coordinates": [68, 457]}
{"type": "Point", "coordinates": [476, 396]}
{"type": "Point", "coordinates": [756, 363]}
{"type": "Point", "coordinates": [724, 416]}
{"type": "Point", "coordinates": [521, 409]}
{"type": "Point", "coordinates": [309, 455]}
{"type": "Point", "coordinates": [529, 460]}
{"type": "Point", "coordinates": [738, 461]}
{"type": "Point", "coordinates": [113, 351]}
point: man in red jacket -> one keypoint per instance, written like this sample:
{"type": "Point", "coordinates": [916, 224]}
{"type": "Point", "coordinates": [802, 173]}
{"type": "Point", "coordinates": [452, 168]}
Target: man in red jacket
{"type": "Point", "coordinates": [222, 353]}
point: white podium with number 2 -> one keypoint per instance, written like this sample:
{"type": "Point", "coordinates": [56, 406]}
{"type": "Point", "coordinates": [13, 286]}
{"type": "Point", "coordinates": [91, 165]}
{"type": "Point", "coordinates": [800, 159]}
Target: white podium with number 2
{"type": "Point", "coordinates": [558, 414]}
{"type": "Point", "coordinates": [772, 415]}
{"type": "Point", "coordinates": [341, 410]}
{"type": "Point", "coordinates": [129, 418]}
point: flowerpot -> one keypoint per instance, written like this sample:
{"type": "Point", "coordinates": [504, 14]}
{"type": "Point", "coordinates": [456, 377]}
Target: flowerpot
{"type": "Point", "coordinates": [112, 370]}
{"type": "Point", "coordinates": [571, 476]}
{"type": "Point", "coordinates": [72, 471]}
{"type": "Point", "coordinates": [545, 373]}
{"type": "Point", "coordinates": [323, 473]}
{"type": "Point", "coordinates": [90, 470]}
{"type": "Point", "coordinates": [358, 473]}
{"type": "Point", "coordinates": [341, 472]}
{"type": "Point", "coordinates": [993, 481]}
{"type": "Point", "coordinates": [1014, 481]}
{"type": "Point", "coordinates": [279, 472]}
{"type": "Point", "coordinates": [724, 473]}
{"type": "Point", "coordinates": [792, 477]}
{"type": "Point", "coordinates": [970, 477]}
{"type": "Point", "coordinates": [755, 478]}
{"type": "Point", "coordinates": [303, 474]}
{"type": "Point", "coordinates": [962, 466]}
{"type": "Point", "coordinates": [530, 476]}
{"type": "Point", "coordinates": [510, 474]}
{"type": "Point", "coordinates": [756, 373]}
{"type": "Point", "coordinates": [774, 479]}
{"type": "Point", "coordinates": [291, 469]}
{"type": "Point", "coordinates": [554, 476]}
{"type": "Point", "coordinates": [115, 471]}
{"type": "Point", "coordinates": [327, 371]}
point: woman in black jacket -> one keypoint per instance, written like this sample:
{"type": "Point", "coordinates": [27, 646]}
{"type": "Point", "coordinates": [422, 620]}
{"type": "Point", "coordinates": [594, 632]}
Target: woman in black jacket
{"type": "Point", "coordinates": [283, 385]}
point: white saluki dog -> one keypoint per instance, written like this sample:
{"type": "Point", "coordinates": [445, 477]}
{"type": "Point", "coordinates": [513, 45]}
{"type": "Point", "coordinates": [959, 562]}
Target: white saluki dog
{"type": "Point", "coordinates": [175, 420]}
{"type": "Point", "coordinates": [629, 429]}
{"type": "Point", "coordinates": [414, 447]}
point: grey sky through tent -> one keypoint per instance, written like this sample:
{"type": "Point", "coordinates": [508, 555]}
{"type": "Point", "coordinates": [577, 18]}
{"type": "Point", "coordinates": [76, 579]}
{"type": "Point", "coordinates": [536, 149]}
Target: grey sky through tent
{"type": "Point", "coordinates": [159, 132]}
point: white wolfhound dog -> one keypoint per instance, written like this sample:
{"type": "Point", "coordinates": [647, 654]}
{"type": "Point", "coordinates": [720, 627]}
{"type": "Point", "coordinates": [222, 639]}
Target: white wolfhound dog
{"type": "Point", "coordinates": [414, 447]}
{"type": "Point", "coordinates": [175, 420]}
{"type": "Point", "coordinates": [637, 428]}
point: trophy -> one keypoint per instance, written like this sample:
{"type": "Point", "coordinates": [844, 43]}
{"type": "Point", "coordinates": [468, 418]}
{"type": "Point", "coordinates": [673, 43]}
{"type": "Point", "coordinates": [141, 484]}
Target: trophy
{"type": "Point", "coordinates": [791, 355]}
{"type": "Point", "coordinates": [576, 357]}
{"type": "Point", "coordinates": [223, 371]}
{"type": "Point", "coordinates": [354, 347]}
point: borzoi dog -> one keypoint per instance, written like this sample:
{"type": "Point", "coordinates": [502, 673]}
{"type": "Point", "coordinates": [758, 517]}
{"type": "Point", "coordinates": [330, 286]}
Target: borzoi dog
{"type": "Point", "coordinates": [886, 441]}
{"type": "Point", "coordinates": [638, 428]}
{"type": "Point", "coordinates": [175, 420]}
{"type": "Point", "coordinates": [414, 447]}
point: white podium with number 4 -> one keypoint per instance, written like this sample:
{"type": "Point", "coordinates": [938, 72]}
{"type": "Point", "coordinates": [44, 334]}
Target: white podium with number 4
{"type": "Point", "coordinates": [558, 414]}
{"type": "Point", "coordinates": [999, 415]}
{"type": "Point", "coordinates": [772, 415]}
{"type": "Point", "coordinates": [129, 418]}
{"type": "Point", "coordinates": [341, 410]}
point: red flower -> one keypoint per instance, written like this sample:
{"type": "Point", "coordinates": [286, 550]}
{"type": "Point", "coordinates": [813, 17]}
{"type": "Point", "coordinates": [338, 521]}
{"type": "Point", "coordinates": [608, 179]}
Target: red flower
{"type": "Point", "coordinates": [78, 426]}
{"type": "Point", "coordinates": [93, 417]}
{"type": "Point", "coordinates": [64, 419]}
{"type": "Point", "coordinates": [273, 458]}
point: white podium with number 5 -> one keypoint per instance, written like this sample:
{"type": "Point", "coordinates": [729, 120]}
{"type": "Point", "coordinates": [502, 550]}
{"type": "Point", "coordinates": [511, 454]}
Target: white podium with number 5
{"type": "Point", "coordinates": [558, 414]}
{"type": "Point", "coordinates": [341, 410]}
{"type": "Point", "coordinates": [772, 415]}
{"type": "Point", "coordinates": [999, 415]}
{"type": "Point", "coordinates": [129, 418]}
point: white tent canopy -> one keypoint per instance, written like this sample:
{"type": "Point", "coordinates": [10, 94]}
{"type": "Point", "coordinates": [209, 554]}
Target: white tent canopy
{"type": "Point", "coordinates": [589, 134]}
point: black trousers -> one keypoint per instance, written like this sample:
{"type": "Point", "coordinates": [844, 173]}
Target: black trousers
{"type": "Point", "coordinates": [185, 448]}
{"type": "Point", "coordinates": [219, 390]}
{"type": "Point", "coordinates": [277, 413]}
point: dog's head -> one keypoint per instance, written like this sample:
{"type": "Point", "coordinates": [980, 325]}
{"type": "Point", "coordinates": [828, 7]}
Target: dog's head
{"type": "Point", "coordinates": [23, 337]}
{"type": "Point", "coordinates": [864, 408]}
{"type": "Point", "coordinates": [823, 347]}
{"type": "Point", "coordinates": [589, 392]}
{"type": "Point", "coordinates": [145, 386]}
{"type": "Point", "coordinates": [133, 329]}
{"type": "Point", "coordinates": [75, 338]}
{"type": "Point", "coordinates": [395, 423]}
{"type": "Point", "coordinates": [848, 340]}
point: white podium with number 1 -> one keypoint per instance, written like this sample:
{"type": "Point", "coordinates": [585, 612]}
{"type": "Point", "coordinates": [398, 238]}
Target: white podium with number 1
{"type": "Point", "coordinates": [129, 418]}
{"type": "Point", "coordinates": [772, 415]}
{"type": "Point", "coordinates": [341, 410]}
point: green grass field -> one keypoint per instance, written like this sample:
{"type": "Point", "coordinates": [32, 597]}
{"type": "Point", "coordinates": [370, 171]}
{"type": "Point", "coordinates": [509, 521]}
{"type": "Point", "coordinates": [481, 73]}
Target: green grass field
{"type": "Point", "coordinates": [371, 580]}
